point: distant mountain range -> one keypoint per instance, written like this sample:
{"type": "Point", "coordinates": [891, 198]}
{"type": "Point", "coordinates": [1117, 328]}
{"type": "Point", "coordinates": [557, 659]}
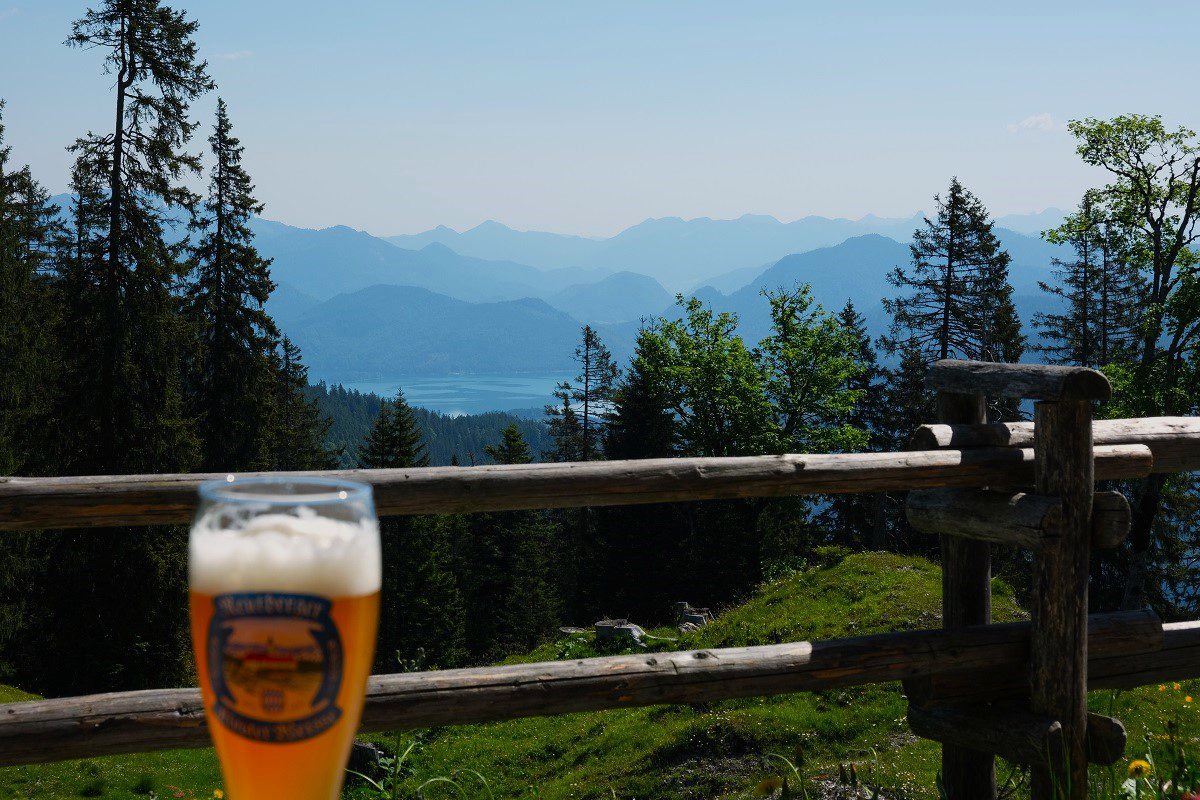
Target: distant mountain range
{"type": "Point", "coordinates": [389, 330]}
{"type": "Point", "coordinates": [682, 254]}
{"type": "Point", "coordinates": [493, 300]}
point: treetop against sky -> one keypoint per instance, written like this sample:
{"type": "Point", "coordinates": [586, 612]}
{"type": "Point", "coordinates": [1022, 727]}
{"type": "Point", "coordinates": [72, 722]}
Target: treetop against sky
{"type": "Point", "coordinates": [586, 118]}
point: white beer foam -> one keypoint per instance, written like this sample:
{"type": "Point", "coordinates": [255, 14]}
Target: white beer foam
{"type": "Point", "coordinates": [300, 553]}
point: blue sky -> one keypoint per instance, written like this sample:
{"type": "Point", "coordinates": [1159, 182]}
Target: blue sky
{"type": "Point", "coordinates": [588, 117]}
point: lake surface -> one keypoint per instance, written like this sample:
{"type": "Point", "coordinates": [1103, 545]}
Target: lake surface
{"type": "Point", "coordinates": [468, 394]}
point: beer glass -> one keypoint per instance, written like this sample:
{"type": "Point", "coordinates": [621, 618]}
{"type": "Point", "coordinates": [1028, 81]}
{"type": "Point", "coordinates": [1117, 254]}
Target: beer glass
{"type": "Point", "coordinates": [284, 577]}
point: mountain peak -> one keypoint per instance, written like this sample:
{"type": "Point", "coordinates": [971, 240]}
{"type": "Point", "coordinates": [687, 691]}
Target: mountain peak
{"type": "Point", "coordinates": [489, 226]}
{"type": "Point", "coordinates": [437, 249]}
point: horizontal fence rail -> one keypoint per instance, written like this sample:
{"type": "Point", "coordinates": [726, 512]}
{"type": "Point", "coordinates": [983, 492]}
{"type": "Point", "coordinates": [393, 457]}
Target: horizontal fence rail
{"type": "Point", "coordinates": [1175, 441]}
{"type": "Point", "coordinates": [101, 501]}
{"type": "Point", "coordinates": [1122, 649]}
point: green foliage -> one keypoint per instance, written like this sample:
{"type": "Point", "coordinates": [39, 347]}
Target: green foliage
{"type": "Point", "coordinates": [1153, 201]}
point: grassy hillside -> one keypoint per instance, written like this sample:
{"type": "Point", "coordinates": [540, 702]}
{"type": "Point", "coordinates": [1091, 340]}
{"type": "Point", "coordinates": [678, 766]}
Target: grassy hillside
{"type": "Point", "coordinates": [684, 751]}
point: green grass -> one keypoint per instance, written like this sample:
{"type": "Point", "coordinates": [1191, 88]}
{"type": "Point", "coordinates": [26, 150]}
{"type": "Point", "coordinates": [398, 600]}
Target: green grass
{"type": "Point", "coordinates": [716, 750]}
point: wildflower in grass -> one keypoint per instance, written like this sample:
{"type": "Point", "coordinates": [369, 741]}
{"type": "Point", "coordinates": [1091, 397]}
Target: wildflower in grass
{"type": "Point", "coordinates": [218, 794]}
{"type": "Point", "coordinates": [1175, 686]}
{"type": "Point", "coordinates": [768, 786]}
{"type": "Point", "coordinates": [1162, 687]}
{"type": "Point", "coordinates": [1139, 768]}
{"type": "Point", "coordinates": [1187, 699]}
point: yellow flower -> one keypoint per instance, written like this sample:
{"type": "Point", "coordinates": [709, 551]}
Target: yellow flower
{"type": "Point", "coordinates": [768, 786]}
{"type": "Point", "coordinates": [1187, 699]}
{"type": "Point", "coordinates": [1175, 686]}
{"type": "Point", "coordinates": [1162, 687]}
{"type": "Point", "coordinates": [1139, 768]}
{"type": "Point", "coordinates": [218, 794]}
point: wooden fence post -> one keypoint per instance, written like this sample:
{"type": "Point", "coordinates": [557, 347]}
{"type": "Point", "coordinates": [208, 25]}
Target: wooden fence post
{"type": "Point", "coordinates": [1058, 663]}
{"type": "Point", "coordinates": [966, 600]}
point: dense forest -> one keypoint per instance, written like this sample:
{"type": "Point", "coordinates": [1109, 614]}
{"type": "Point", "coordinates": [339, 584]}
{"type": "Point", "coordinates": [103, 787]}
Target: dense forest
{"type": "Point", "coordinates": [124, 349]}
{"type": "Point", "coordinates": [448, 439]}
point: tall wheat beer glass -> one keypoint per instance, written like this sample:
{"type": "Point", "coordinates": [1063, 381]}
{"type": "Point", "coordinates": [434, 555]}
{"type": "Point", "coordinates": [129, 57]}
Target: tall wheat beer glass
{"type": "Point", "coordinates": [284, 577]}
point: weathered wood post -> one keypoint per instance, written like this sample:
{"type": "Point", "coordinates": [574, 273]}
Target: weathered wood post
{"type": "Point", "coordinates": [1058, 659]}
{"type": "Point", "coordinates": [966, 600]}
{"type": "Point", "coordinates": [1051, 734]}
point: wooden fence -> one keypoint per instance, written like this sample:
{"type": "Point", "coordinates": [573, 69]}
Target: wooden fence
{"type": "Point", "coordinates": [1014, 690]}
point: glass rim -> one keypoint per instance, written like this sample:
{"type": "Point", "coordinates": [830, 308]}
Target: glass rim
{"type": "Point", "coordinates": [281, 490]}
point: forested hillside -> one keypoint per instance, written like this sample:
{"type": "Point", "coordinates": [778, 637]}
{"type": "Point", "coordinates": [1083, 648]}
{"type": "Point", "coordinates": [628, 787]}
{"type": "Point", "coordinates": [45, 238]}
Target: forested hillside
{"type": "Point", "coordinates": [465, 438]}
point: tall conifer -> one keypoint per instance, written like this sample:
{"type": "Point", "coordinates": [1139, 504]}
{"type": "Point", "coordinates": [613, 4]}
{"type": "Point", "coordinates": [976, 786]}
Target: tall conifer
{"type": "Point", "coordinates": [1097, 288]}
{"type": "Point", "coordinates": [954, 291]}
{"type": "Point", "coordinates": [225, 303]}
{"type": "Point", "coordinates": [120, 614]}
{"type": "Point", "coordinates": [422, 614]}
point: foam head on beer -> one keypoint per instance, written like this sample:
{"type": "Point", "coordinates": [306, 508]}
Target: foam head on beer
{"type": "Point", "coordinates": [298, 551]}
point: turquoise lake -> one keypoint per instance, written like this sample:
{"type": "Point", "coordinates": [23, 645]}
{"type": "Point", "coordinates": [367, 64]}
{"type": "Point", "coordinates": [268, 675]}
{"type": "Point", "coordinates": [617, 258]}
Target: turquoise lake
{"type": "Point", "coordinates": [468, 394]}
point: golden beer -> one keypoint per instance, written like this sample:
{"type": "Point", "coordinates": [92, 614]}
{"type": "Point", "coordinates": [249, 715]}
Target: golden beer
{"type": "Point", "coordinates": [284, 607]}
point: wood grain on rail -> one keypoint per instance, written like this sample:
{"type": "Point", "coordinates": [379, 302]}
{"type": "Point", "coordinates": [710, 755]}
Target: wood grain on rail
{"type": "Point", "coordinates": [102, 501]}
{"type": "Point", "coordinates": [126, 722]}
{"type": "Point", "coordinates": [1023, 381]}
{"type": "Point", "coordinates": [1175, 441]}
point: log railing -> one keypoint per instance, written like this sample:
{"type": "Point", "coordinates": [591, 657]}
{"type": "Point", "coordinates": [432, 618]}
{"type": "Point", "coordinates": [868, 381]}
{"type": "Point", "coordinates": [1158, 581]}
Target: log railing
{"type": "Point", "coordinates": [956, 475]}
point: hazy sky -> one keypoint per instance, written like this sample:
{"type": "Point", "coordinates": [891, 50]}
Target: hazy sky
{"type": "Point", "coordinates": [396, 116]}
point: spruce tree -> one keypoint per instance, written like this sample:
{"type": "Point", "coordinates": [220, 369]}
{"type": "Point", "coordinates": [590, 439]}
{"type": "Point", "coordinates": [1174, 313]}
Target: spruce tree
{"type": "Point", "coordinates": [422, 615]}
{"type": "Point", "coordinates": [956, 293]}
{"type": "Point", "coordinates": [130, 363]}
{"type": "Point", "coordinates": [564, 427]}
{"type": "Point", "coordinates": [1097, 289]}
{"type": "Point", "coordinates": [578, 421]}
{"type": "Point", "coordinates": [906, 405]}
{"type": "Point", "coordinates": [30, 239]}
{"type": "Point", "coordinates": [395, 441]}
{"type": "Point", "coordinates": [121, 621]}
{"type": "Point", "coordinates": [225, 303]}
{"type": "Point", "coordinates": [505, 563]}
{"type": "Point", "coordinates": [299, 431]}
{"type": "Point", "coordinates": [511, 449]}
{"type": "Point", "coordinates": [633, 572]}
{"type": "Point", "coordinates": [859, 519]}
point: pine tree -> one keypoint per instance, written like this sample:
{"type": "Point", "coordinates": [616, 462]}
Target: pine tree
{"type": "Point", "coordinates": [511, 449]}
{"type": "Point", "coordinates": [906, 405]}
{"type": "Point", "coordinates": [224, 302]}
{"type": "Point", "coordinates": [30, 238]}
{"type": "Point", "coordinates": [133, 420]}
{"type": "Point", "coordinates": [636, 547]}
{"type": "Point", "coordinates": [1097, 288]}
{"type": "Point", "coordinates": [395, 441]}
{"type": "Point", "coordinates": [565, 429]}
{"type": "Point", "coordinates": [121, 621]}
{"type": "Point", "coordinates": [641, 424]}
{"type": "Point", "coordinates": [422, 615]}
{"type": "Point", "coordinates": [578, 421]}
{"type": "Point", "coordinates": [298, 428]}
{"type": "Point", "coordinates": [505, 563]}
{"type": "Point", "coordinates": [958, 299]}
{"type": "Point", "coordinates": [860, 518]}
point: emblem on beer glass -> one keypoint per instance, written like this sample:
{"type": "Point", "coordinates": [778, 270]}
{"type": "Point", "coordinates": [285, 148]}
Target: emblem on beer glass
{"type": "Point", "coordinates": [284, 591]}
{"type": "Point", "coordinates": [280, 660]}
